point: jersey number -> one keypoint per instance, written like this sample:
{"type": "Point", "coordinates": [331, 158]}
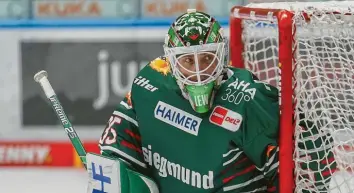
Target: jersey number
{"type": "Point", "coordinates": [108, 140]}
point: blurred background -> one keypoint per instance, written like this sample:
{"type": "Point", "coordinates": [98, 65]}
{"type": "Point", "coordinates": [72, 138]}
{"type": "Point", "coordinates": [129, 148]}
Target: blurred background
{"type": "Point", "coordinates": [92, 50]}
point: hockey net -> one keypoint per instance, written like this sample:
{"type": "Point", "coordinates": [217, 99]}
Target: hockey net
{"type": "Point", "coordinates": [307, 51]}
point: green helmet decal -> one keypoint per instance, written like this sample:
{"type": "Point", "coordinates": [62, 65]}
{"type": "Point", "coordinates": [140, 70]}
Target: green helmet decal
{"type": "Point", "coordinates": [194, 28]}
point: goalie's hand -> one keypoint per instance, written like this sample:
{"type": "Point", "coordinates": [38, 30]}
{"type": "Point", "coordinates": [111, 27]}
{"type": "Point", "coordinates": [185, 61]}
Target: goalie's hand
{"type": "Point", "coordinates": [115, 176]}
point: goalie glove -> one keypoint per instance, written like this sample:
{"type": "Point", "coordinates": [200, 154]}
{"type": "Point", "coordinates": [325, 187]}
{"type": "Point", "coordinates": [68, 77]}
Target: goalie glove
{"type": "Point", "coordinates": [108, 175]}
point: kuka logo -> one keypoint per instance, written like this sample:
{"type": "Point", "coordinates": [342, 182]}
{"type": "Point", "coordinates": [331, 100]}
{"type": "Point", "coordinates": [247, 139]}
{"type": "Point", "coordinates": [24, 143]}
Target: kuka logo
{"type": "Point", "coordinates": [226, 118]}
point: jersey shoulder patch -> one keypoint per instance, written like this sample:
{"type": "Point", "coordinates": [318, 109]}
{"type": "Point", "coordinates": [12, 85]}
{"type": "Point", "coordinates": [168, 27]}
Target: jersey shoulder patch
{"type": "Point", "coordinates": [247, 77]}
{"type": "Point", "coordinates": [161, 65]}
{"type": "Point", "coordinates": [153, 77]}
{"type": "Point", "coordinates": [243, 86]}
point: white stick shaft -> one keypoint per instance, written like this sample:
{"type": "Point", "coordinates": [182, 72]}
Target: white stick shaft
{"type": "Point", "coordinates": [47, 88]}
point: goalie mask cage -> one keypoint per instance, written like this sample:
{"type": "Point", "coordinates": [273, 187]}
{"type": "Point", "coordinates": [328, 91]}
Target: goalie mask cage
{"type": "Point", "coordinates": [306, 50]}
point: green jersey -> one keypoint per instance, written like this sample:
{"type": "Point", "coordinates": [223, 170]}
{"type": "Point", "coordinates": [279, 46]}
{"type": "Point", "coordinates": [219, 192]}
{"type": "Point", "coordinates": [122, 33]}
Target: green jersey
{"type": "Point", "coordinates": [231, 148]}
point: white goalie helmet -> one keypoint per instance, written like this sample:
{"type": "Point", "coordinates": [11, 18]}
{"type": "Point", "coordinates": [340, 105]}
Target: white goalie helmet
{"type": "Point", "coordinates": [197, 52]}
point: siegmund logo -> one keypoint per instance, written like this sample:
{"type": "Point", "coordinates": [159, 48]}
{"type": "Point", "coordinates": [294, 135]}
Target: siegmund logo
{"type": "Point", "coordinates": [167, 168]}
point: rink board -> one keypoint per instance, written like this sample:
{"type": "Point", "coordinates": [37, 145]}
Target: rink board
{"type": "Point", "coordinates": [12, 87]}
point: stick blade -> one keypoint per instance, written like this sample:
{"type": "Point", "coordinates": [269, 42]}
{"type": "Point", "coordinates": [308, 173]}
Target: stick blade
{"type": "Point", "coordinates": [39, 75]}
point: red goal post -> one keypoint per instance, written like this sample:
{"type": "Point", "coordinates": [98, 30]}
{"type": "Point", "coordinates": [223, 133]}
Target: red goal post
{"type": "Point", "coordinates": [307, 51]}
{"type": "Point", "coordinates": [285, 59]}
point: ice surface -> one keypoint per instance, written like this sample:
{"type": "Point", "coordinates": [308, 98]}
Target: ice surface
{"type": "Point", "coordinates": [69, 180]}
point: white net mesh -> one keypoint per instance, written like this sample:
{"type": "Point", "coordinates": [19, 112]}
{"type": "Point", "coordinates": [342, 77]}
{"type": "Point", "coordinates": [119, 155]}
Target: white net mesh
{"type": "Point", "coordinates": [324, 88]}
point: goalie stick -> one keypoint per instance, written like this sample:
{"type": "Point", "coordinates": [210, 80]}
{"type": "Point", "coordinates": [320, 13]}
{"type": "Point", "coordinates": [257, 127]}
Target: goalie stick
{"type": "Point", "coordinates": [142, 184]}
{"type": "Point", "coordinates": [42, 78]}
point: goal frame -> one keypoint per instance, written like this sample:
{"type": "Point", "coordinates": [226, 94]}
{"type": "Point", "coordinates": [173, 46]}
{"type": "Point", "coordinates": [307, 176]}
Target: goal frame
{"type": "Point", "coordinates": [286, 89]}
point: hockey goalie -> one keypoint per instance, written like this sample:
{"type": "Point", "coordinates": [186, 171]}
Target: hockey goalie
{"type": "Point", "coordinates": [191, 123]}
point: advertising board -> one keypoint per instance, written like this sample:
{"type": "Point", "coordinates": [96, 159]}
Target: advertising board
{"type": "Point", "coordinates": [173, 8]}
{"type": "Point", "coordinates": [44, 153]}
{"type": "Point", "coordinates": [83, 9]}
{"type": "Point", "coordinates": [75, 59]}
{"type": "Point", "coordinates": [90, 69]}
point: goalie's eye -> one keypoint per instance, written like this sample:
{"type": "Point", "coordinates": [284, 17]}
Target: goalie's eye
{"type": "Point", "coordinates": [189, 60]}
{"type": "Point", "coordinates": [206, 58]}
{"type": "Point", "coordinates": [186, 60]}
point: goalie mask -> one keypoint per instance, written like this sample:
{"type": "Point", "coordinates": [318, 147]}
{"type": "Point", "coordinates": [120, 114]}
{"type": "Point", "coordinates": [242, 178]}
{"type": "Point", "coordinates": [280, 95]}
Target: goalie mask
{"type": "Point", "coordinates": [196, 50]}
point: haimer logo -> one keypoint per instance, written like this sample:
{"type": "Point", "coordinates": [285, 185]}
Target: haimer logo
{"type": "Point", "coordinates": [177, 118]}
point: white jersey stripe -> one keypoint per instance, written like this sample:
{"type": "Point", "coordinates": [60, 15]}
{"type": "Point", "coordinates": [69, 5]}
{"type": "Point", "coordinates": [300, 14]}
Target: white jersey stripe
{"type": "Point", "coordinates": [232, 159]}
{"type": "Point", "coordinates": [126, 117]}
{"type": "Point", "coordinates": [228, 153]}
{"type": "Point", "coordinates": [275, 165]}
{"type": "Point", "coordinates": [125, 105]}
{"type": "Point", "coordinates": [257, 190]}
{"type": "Point", "coordinates": [270, 161]}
